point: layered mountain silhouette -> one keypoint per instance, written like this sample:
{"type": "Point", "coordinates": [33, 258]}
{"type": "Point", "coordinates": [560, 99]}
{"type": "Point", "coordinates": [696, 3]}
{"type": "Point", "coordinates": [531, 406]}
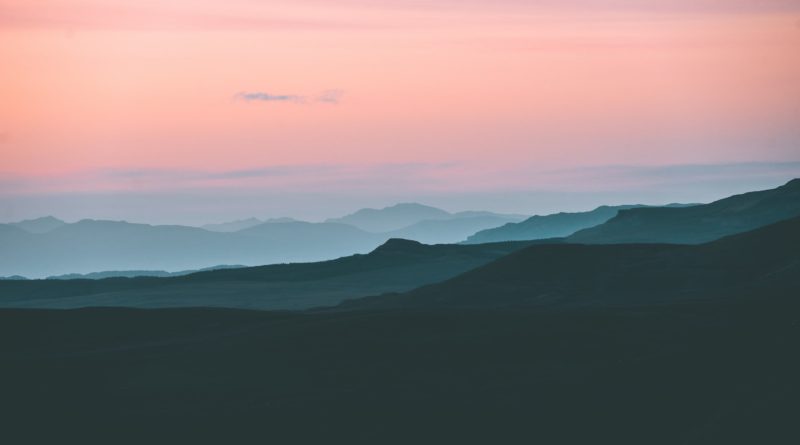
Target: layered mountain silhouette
{"type": "Point", "coordinates": [766, 260]}
{"type": "Point", "coordinates": [655, 344]}
{"type": "Point", "coordinates": [697, 224]}
{"type": "Point", "coordinates": [513, 342]}
{"type": "Point", "coordinates": [391, 218]}
{"type": "Point", "coordinates": [89, 246]}
{"type": "Point", "coordinates": [241, 224]}
{"type": "Point", "coordinates": [396, 266]}
{"type": "Point", "coordinates": [556, 225]}
{"type": "Point", "coordinates": [436, 231]}
{"type": "Point", "coordinates": [134, 273]}
{"type": "Point", "coordinates": [417, 219]}
{"type": "Point", "coordinates": [39, 225]}
{"type": "Point", "coordinates": [50, 247]}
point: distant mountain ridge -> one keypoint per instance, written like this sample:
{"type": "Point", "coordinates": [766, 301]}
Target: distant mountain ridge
{"type": "Point", "coordinates": [95, 245]}
{"type": "Point", "coordinates": [390, 218]}
{"type": "Point", "coordinates": [700, 223]}
{"type": "Point", "coordinates": [403, 216]}
{"type": "Point", "coordinates": [39, 225]}
{"type": "Point", "coordinates": [241, 224]}
{"type": "Point", "coordinates": [547, 226]}
{"type": "Point", "coordinates": [89, 246]}
{"type": "Point", "coordinates": [395, 266]}
{"type": "Point", "coordinates": [133, 273]}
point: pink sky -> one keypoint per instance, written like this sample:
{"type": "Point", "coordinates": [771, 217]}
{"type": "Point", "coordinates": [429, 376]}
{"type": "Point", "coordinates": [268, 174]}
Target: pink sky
{"type": "Point", "coordinates": [147, 96]}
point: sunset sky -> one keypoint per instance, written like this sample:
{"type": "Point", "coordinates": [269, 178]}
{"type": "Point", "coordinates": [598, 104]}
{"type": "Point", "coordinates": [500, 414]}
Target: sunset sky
{"type": "Point", "coordinates": [194, 111]}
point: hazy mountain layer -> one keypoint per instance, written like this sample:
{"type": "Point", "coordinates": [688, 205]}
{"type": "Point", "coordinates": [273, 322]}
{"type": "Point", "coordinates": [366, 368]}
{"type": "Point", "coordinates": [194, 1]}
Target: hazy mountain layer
{"type": "Point", "coordinates": [396, 266]}
{"type": "Point", "coordinates": [90, 246]}
{"type": "Point", "coordinates": [235, 226]}
{"type": "Point", "coordinates": [406, 217]}
{"type": "Point", "coordinates": [39, 225]}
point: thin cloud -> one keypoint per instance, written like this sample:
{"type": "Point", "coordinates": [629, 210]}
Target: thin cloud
{"type": "Point", "coordinates": [327, 96]}
{"type": "Point", "coordinates": [259, 96]}
{"type": "Point", "coordinates": [330, 96]}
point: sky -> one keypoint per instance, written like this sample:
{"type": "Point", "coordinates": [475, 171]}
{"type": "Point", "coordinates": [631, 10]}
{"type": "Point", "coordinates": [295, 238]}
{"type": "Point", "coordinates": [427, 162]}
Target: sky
{"type": "Point", "coordinates": [194, 111]}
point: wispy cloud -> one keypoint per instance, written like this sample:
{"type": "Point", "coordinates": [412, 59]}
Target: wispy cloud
{"type": "Point", "coordinates": [327, 96]}
{"type": "Point", "coordinates": [330, 96]}
{"type": "Point", "coordinates": [259, 96]}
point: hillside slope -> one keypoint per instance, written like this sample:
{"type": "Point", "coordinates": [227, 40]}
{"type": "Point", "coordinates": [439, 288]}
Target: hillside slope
{"type": "Point", "coordinates": [396, 266]}
{"type": "Point", "coordinates": [700, 223]}
{"type": "Point", "coordinates": [767, 259]}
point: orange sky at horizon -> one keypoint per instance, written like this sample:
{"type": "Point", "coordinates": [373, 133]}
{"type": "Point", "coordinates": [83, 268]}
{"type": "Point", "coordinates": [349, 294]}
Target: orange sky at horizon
{"type": "Point", "coordinates": [86, 88]}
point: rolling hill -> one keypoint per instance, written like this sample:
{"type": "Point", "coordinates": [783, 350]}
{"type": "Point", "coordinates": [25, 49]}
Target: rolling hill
{"type": "Point", "coordinates": [556, 225]}
{"type": "Point", "coordinates": [697, 224]}
{"type": "Point", "coordinates": [396, 266]}
{"type": "Point", "coordinates": [764, 260]}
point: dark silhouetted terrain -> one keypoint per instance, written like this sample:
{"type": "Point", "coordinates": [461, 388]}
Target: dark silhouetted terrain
{"type": "Point", "coordinates": [563, 275]}
{"type": "Point", "coordinates": [714, 372]}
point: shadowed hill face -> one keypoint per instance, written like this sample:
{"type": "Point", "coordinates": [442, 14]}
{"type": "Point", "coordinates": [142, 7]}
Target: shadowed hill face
{"type": "Point", "coordinates": [697, 224]}
{"type": "Point", "coordinates": [396, 266]}
{"type": "Point", "coordinates": [768, 258]}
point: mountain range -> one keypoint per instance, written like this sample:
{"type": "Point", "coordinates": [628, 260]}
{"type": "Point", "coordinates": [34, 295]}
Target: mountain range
{"type": "Point", "coordinates": [535, 342]}
{"type": "Point", "coordinates": [396, 266]}
{"type": "Point", "coordinates": [39, 225]}
{"type": "Point", "coordinates": [408, 216]}
{"type": "Point", "coordinates": [699, 223]}
{"type": "Point", "coordinates": [49, 247]}
{"type": "Point", "coordinates": [556, 225]}
{"type": "Point", "coordinates": [765, 260]}
{"type": "Point", "coordinates": [241, 224]}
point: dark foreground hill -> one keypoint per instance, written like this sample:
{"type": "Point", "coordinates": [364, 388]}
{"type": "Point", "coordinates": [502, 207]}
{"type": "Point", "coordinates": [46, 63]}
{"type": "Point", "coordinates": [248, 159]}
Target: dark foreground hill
{"type": "Point", "coordinates": [703, 373]}
{"type": "Point", "coordinates": [396, 266]}
{"type": "Point", "coordinates": [697, 224]}
{"type": "Point", "coordinates": [766, 259]}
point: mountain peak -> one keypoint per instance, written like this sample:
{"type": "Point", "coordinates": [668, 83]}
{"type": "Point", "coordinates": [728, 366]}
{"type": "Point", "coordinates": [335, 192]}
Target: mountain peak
{"type": "Point", "coordinates": [398, 245]}
{"type": "Point", "coordinates": [42, 224]}
{"type": "Point", "coordinates": [391, 218]}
